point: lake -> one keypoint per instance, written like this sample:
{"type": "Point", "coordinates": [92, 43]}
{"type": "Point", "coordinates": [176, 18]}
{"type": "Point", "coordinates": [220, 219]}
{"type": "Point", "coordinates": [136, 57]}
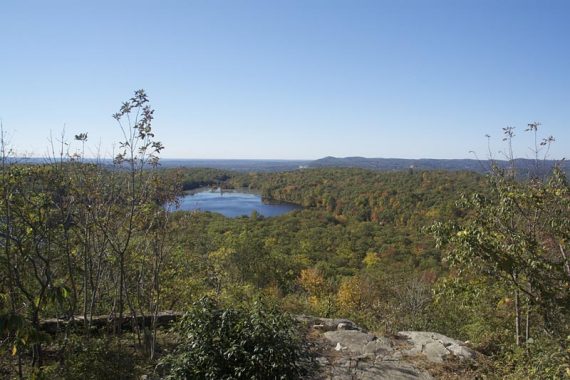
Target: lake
{"type": "Point", "coordinates": [233, 203]}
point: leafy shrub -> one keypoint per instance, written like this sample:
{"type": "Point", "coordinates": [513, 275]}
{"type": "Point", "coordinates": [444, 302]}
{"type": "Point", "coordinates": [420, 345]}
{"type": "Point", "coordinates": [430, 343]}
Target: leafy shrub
{"type": "Point", "coordinates": [541, 359]}
{"type": "Point", "coordinates": [218, 343]}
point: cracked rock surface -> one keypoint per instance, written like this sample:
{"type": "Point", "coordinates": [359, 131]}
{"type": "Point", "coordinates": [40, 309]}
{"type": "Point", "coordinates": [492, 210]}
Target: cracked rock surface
{"type": "Point", "coordinates": [347, 352]}
{"type": "Point", "coordinates": [436, 346]}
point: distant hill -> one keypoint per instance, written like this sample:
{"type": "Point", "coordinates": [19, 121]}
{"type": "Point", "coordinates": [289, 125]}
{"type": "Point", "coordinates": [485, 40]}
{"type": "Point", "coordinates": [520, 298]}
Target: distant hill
{"type": "Point", "coordinates": [223, 164]}
{"type": "Point", "coordinates": [237, 165]}
{"type": "Point", "coordinates": [382, 164]}
{"type": "Point", "coordinates": [395, 164]}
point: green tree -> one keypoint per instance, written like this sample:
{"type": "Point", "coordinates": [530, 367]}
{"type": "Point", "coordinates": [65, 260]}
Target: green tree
{"type": "Point", "coordinates": [518, 234]}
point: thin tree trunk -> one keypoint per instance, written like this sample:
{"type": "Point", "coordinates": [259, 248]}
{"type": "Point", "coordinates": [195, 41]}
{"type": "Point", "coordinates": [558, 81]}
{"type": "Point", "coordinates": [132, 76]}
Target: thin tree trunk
{"type": "Point", "coordinates": [527, 323]}
{"type": "Point", "coordinates": [121, 284]}
{"type": "Point", "coordinates": [85, 283]}
{"type": "Point", "coordinates": [517, 318]}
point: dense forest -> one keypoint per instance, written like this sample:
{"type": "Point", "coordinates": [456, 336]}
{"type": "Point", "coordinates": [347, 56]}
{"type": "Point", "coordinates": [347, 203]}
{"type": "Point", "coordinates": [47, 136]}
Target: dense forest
{"type": "Point", "coordinates": [479, 257]}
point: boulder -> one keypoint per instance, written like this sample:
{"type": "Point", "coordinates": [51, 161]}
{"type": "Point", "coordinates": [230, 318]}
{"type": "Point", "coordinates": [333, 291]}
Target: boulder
{"type": "Point", "coordinates": [364, 356]}
{"type": "Point", "coordinates": [359, 342]}
{"type": "Point", "coordinates": [436, 346]}
{"type": "Point", "coordinates": [348, 352]}
{"type": "Point", "coordinates": [328, 324]}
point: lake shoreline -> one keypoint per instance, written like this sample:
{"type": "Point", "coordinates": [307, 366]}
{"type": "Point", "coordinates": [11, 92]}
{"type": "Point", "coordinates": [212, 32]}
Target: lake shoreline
{"type": "Point", "coordinates": [233, 202]}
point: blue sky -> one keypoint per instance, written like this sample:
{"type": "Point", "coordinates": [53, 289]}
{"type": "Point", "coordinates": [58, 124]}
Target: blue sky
{"type": "Point", "coordinates": [289, 79]}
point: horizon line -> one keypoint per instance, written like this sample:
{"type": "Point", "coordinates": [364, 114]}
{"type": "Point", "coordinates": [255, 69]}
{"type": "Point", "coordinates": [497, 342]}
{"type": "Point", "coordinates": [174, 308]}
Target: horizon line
{"type": "Point", "coordinates": [300, 159]}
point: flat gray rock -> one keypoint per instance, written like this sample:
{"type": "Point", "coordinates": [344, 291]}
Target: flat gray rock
{"type": "Point", "coordinates": [358, 342]}
{"type": "Point", "coordinates": [350, 369]}
{"type": "Point", "coordinates": [347, 352]}
{"type": "Point", "coordinates": [328, 324]}
{"type": "Point", "coordinates": [436, 346]}
{"type": "Point", "coordinates": [363, 356]}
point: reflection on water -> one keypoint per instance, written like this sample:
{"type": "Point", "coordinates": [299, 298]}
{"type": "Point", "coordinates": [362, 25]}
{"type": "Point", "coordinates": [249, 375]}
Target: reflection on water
{"type": "Point", "coordinates": [233, 204]}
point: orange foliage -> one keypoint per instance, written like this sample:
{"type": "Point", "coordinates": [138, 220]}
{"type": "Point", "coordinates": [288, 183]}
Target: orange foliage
{"type": "Point", "coordinates": [312, 281]}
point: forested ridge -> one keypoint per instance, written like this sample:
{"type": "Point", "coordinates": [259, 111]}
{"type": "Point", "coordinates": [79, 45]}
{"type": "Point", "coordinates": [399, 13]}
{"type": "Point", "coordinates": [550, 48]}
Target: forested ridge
{"type": "Point", "coordinates": [482, 258]}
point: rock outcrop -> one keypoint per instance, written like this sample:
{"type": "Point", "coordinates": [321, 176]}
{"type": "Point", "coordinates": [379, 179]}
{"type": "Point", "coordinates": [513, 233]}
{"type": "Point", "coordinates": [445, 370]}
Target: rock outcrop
{"type": "Point", "coordinates": [347, 352]}
{"type": "Point", "coordinates": [436, 347]}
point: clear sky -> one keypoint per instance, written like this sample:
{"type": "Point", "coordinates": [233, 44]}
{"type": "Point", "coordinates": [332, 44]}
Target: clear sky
{"type": "Point", "coordinates": [289, 79]}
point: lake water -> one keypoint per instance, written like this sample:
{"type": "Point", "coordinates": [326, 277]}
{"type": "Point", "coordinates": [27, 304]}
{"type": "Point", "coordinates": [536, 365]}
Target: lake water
{"type": "Point", "coordinates": [233, 204]}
